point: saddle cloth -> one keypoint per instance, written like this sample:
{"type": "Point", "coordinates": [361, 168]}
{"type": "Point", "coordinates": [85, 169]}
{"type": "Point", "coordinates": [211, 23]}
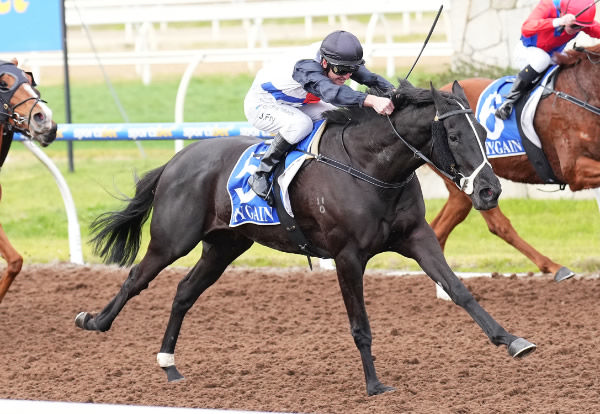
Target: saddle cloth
{"type": "Point", "coordinates": [246, 206]}
{"type": "Point", "coordinates": [504, 137]}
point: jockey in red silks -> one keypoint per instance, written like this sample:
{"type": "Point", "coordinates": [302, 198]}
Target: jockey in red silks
{"type": "Point", "coordinates": [549, 27]}
{"type": "Point", "coordinates": [285, 98]}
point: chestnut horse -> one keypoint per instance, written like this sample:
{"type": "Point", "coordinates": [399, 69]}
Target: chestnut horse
{"type": "Point", "coordinates": [358, 198]}
{"type": "Point", "coordinates": [21, 110]}
{"type": "Point", "coordinates": [568, 124]}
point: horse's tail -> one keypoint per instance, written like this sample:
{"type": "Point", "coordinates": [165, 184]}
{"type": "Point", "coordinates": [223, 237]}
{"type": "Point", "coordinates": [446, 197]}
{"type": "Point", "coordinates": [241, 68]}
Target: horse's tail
{"type": "Point", "coordinates": [117, 234]}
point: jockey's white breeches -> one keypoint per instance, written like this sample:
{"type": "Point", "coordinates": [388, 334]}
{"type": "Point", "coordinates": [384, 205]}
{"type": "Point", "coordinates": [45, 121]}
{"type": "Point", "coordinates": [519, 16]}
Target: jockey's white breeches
{"type": "Point", "coordinates": [293, 123]}
{"type": "Point", "coordinates": [533, 56]}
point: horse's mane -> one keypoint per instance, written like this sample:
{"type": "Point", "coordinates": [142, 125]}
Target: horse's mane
{"type": "Point", "coordinates": [404, 95]}
{"type": "Point", "coordinates": [573, 56]}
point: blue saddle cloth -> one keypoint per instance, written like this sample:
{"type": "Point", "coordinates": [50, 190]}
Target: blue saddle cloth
{"type": "Point", "coordinates": [504, 138]}
{"type": "Point", "coordinates": [246, 206]}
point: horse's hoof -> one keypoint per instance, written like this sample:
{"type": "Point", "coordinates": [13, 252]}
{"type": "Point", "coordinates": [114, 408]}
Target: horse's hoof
{"type": "Point", "coordinates": [172, 374]}
{"type": "Point", "coordinates": [380, 389]}
{"type": "Point", "coordinates": [81, 319]}
{"type": "Point", "coordinates": [563, 273]}
{"type": "Point", "coordinates": [520, 347]}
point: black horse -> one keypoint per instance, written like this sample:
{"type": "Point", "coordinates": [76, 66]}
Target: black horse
{"type": "Point", "coordinates": [351, 216]}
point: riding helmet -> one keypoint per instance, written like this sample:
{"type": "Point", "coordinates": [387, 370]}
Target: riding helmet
{"type": "Point", "coordinates": [574, 7]}
{"type": "Point", "coordinates": [342, 48]}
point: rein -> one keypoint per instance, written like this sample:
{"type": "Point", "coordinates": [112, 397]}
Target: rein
{"type": "Point", "coordinates": [594, 109]}
{"type": "Point", "coordinates": [359, 174]}
{"type": "Point", "coordinates": [463, 183]}
{"type": "Point", "coordinates": [356, 173]}
{"type": "Point", "coordinates": [589, 53]}
{"type": "Point", "coordinates": [570, 98]}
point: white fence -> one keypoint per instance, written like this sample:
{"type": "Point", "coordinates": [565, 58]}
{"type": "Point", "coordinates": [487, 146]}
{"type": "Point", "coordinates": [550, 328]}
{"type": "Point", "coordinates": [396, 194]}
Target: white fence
{"type": "Point", "coordinates": [133, 13]}
{"type": "Point", "coordinates": [141, 17]}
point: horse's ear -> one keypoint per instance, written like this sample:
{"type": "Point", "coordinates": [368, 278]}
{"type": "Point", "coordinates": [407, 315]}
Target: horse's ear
{"type": "Point", "coordinates": [14, 61]}
{"type": "Point", "coordinates": [438, 100]}
{"type": "Point", "coordinates": [460, 92]}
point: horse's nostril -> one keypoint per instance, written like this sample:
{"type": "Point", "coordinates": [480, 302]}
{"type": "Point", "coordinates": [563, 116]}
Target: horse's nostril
{"type": "Point", "coordinates": [486, 194]}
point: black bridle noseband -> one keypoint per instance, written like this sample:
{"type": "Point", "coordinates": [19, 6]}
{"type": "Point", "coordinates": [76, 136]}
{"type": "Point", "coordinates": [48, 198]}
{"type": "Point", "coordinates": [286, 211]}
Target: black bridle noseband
{"type": "Point", "coordinates": [7, 111]}
{"type": "Point", "coordinates": [462, 182]}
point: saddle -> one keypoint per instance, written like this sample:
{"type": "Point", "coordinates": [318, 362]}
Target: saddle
{"type": "Point", "coordinates": [247, 207]}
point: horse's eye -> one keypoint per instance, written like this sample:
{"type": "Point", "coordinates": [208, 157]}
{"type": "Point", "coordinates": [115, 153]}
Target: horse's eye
{"type": "Point", "coordinates": [453, 138]}
{"type": "Point", "coordinates": [3, 85]}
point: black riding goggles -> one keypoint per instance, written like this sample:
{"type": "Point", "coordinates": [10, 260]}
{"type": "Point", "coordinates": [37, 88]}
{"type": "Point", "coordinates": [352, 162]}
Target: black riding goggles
{"type": "Point", "coordinates": [575, 27]}
{"type": "Point", "coordinates": [342, 70]}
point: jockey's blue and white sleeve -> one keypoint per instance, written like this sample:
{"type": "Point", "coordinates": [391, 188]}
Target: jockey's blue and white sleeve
{"type": "Point", "coordinates": [309, 74]}
{"type": "Point", "coordinates": [365, 77]}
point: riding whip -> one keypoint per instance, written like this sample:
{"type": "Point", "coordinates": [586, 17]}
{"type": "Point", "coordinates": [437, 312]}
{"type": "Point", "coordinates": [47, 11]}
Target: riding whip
{"type": "Point", "coordinates": [562, 28]}
{"type": "Point", "coordinates": [427, 39]}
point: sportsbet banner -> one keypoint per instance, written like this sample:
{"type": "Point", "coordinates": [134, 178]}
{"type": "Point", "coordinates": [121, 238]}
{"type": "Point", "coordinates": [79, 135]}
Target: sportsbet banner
{"type": "Point", "coordinates": [153, 131]}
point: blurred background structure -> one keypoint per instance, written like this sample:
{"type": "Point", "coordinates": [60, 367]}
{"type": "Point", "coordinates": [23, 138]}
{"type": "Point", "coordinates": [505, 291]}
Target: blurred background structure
{"type": "Point", "coordinates": [142, 39]}
{"type": "Point", "coordinates": [166, 36]}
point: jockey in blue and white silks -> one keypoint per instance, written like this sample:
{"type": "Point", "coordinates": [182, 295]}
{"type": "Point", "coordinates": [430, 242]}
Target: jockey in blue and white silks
{"type": "Point", "coordinates": [286, 98]}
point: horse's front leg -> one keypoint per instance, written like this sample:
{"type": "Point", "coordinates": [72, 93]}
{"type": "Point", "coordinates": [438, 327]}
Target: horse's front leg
{"type": "Point", "coordinates": [14, 262]}
{"type": "Point", "coordinates": [423, 246]}
{"type": "Point", "coordinates": [350, 276]}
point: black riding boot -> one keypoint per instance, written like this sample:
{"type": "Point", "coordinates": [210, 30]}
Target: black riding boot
{"type": "Point", "coordinates": [521, 84]}
{"type": "Point", "coordinates": [260, 180]}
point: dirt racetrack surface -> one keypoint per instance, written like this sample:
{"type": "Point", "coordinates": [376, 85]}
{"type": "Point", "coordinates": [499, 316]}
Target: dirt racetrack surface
{"type": "Point", "coordinates": [279, 340]}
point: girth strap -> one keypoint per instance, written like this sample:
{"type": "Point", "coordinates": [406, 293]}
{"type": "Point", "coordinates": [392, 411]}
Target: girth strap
{"type": "Point", "coordinates": [536, 155]}
{"type": "Point", "coordinates": [289, 224]}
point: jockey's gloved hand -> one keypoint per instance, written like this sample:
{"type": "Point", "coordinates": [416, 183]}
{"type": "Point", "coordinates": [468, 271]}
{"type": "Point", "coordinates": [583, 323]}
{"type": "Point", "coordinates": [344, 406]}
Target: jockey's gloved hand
{"type": "Point", "coordinates": [566, 20]}
{"type": "Point", "coordinates": [381, 104]}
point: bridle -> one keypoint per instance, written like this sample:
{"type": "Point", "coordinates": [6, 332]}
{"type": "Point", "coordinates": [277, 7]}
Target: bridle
{"type": "Point", "coordinates": [7, 111]}
{"type": "Point", "coordinates": [464, 184]}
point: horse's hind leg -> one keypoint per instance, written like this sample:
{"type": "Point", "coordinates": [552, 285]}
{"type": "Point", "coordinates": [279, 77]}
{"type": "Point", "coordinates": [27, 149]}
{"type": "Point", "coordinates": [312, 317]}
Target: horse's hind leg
{"type": "Point", "coordinates": [500, 225]}
{"type": "Point", "coordinates": [14, 262]}
{"type": "Point", "coordinates": [217, 254]}
{"type": "Point", "coordinates": [140, 275]}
